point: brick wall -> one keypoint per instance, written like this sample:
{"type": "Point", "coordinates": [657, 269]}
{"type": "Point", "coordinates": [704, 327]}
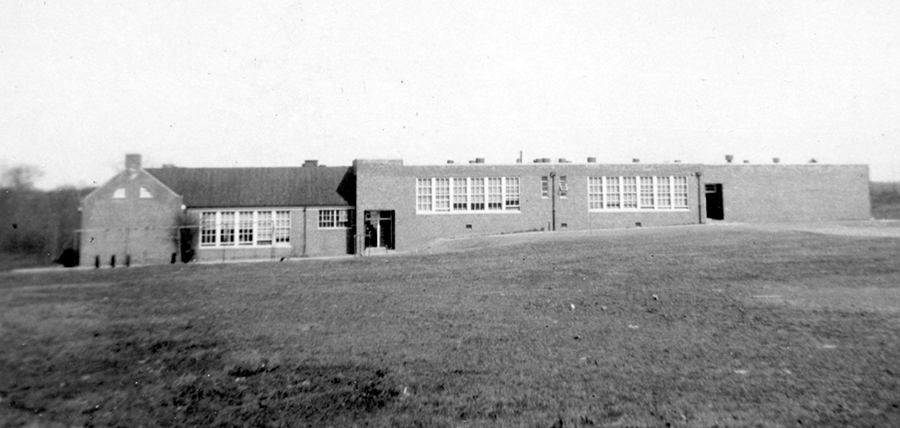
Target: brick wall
{"type": "Point", "coordinates": [135, 226]}
{"type": "Point", "coordinates": [785, 193]}
{"type": "Point", "coordinates": [388, 185]}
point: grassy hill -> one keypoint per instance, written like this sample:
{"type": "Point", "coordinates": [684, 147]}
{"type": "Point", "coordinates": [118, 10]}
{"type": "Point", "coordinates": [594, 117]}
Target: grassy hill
{"type": "Point", "coordinates": [689, 326]}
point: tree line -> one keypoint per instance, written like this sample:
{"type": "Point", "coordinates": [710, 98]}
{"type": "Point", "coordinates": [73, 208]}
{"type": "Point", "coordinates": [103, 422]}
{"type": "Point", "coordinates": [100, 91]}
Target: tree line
{"type": "Point", "coordinates": [37, 225]}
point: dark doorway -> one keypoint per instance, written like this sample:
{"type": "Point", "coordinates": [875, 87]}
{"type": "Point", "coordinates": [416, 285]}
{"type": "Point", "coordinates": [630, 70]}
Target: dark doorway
{"type": "Point", "coordinates": [715, 210]}
{"type": "Point", "coordinates": [379, 229]}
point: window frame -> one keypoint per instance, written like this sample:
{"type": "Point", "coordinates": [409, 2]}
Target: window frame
{"type": "Point", "coordinates": [468, 195]}
{"type": "Point", "coordinates": [615, 193]}
{"type": "Point", "coordinates": [228, 228]}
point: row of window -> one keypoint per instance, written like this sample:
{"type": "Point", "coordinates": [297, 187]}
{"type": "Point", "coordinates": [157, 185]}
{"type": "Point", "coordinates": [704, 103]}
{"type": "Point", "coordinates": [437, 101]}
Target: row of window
{"type": "Point", "coordinates": [502, 193]}
{"type": "Point", "coordinates": [144, 193]}
{"type": "Point", "coordinates": [632, 193]}
{"type": "Point", "coordinates": [244, 228]}
{"type": "Point", "coordinates": [260, 227]}
{"type": "Point", "coordinates": [467, 194]}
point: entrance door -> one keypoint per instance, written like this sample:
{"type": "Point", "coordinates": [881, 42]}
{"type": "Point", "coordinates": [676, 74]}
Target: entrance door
{"type": "Point", "coordinates": [379, 229]}
{"type": "Point", "coordinates": [715, 209]}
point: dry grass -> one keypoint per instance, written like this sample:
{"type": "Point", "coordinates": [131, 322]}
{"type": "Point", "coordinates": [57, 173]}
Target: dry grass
{"type": "Point", "coordinates": [632, 328]}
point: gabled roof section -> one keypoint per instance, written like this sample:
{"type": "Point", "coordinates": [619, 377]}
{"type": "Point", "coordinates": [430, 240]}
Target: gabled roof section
{"type": "Point", "coordinates": [260, 187]}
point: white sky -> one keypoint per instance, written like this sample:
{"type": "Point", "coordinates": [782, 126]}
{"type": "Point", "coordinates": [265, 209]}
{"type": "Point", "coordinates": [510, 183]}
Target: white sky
{"type": "Point", "coordinates": [241, 83]}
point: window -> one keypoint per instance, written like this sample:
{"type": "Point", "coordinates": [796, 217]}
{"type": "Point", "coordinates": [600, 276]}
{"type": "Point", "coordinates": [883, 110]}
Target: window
{"type": "Point", "coordinates": [545, 187]}
{"type": "Point", "coordinates": [495, 194]}
{"type": "Point", "coordinates": [423, 194]}
{"type": "Point", "coordinates": [208, 229]}
{"type": "Point", "coordinates": [282, 226]}
{"type": "Point", "coordinates": [245, 228]}
{"type": "Point", "coordinates": [468, 194]}
{"type": "Point", "coordinates": [595, 193]}
{"type": "Point", "coordinates": [512, 193]}
{"type": "Point", "coordinates": [334, 219]}
{"type": "Point", "coordinates": [477, 194]}
{"type": "Point", "coordinates": [145, 193]}
{"type": "Point", "coordinates": [663, 192]}
{"type": "Point", "coordinates": [612, 192]}
{"type": "Point", "coordinates": [119, 193]}
{"type": "Point", "coordinates": [460, 194]}
{"type": "Point", "coordinates": [264, 228]}
{"type": "Point", "coordinates": [680, 192]}
{"type": "Point", "coordinates": [629, 192]}
{"type": "Point", "coordinates": [226, 227]}
{"type": "Point", "coordinates": [563, 187]}
{"type": "Point", "coordinates": [633, 193]}
{"type": "Point", "coordinates": [442, 194]}
{"type": "Point", "coordinates": [647, 193]}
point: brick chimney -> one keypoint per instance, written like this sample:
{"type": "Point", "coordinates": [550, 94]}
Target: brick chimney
{"type": "Point", "coordinates": [132, 162]}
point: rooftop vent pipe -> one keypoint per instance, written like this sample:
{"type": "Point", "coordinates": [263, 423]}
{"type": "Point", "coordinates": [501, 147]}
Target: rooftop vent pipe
{"type": "Point", "coordinates": [479, 160]}
{"type": "Point", "coordinates": [635, 160]}
{"type": "Point", "coordinates": [592, 160]}
{"type": "Point", "coordinates": [449, 162]}
{"type": "Point", "coordinates": [776, 160]}
{"type": "Point", "coordinates": [311, 163]}
{"type": "Point", "coordinates": [729, 158]}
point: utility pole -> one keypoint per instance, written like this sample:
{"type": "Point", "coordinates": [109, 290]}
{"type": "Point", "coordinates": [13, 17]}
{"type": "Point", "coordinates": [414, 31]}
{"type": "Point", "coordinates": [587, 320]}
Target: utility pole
{"type": "Point", "coordinates": [553, 199]}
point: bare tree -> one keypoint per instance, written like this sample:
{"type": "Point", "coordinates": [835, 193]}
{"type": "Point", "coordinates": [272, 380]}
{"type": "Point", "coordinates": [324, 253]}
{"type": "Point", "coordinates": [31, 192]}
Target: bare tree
{"type": "Point", "coordinates": [20, 177]}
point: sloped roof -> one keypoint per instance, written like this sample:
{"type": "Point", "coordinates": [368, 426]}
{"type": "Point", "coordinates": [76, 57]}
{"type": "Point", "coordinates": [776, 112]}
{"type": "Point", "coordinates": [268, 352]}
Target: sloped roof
{"type": "Point", "coordinates": [260, 187]}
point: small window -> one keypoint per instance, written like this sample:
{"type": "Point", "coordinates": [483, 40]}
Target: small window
{"type": "Point", "coordinates": [119, 193]}
{"type": "Point", "coordinates": [563, 187]}
{"type": "Point", "coordinates": [145, 193]}
{"type": "Point", "coordinates": [545, 187]}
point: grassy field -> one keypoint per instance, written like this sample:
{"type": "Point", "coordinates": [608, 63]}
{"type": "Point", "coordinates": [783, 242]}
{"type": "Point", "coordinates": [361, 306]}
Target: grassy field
{"type": "Point", "coordinates": [688, 326]}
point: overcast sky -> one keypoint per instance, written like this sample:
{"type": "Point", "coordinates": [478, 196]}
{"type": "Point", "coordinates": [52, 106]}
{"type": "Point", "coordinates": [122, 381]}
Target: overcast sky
{"type": "Point", "coordinates": [241, 83]}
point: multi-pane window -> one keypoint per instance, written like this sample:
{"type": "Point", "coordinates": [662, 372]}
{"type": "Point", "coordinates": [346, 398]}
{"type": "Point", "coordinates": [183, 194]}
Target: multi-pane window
{"type": "Point", "coordinates": [282, 226]}
{"type": "Point", "coordinates": [595, 193]}
{"type": "Point", "coordinates": [477, 194]}
{"type": "Point", "coordinates": [465, 194]}
{"type": "Point", "coordinates": [442, 194]}
{"type": "Point", "coordinates": [631, 193]}
{"type": "Point", "coordinates": [512, 193]}
{"type": "Point", "coordinates": [612, 192]}
{"type": "Point", "coordinates": [423, 194]}
{"type": "Point", "coordinates": [225, 228]}
{"type": "Point", "coordinates": [335, 219]}
{"type": "Point", "coordinates": [460, 194]}
{"type": "Point", "coordinates": [647, 192]}
{"type": "Point", "coordinates": [495, 194]}
{"type": "Point", "coordinates": [245, 228]}
{"type": "Point", "coordinates": [680, 192]}
{"type": "Point", "coordinates": [545, 187]}
{"type": "Point", "coordinates": [563, 187]}
{"type": "Point", "coordinates": [264, 228]}
{"type": "Point", "coordinates": [208, 228]}
{"type": "Point", "coordinates": [664, 192]}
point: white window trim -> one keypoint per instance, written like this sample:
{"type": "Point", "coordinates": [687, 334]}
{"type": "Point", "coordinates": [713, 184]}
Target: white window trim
{"type": "Point", "coordinates": [517, 209]}
{"type": "Point", "coordinates": [621, 194]}
{"type": "Point", "coordinates": [350, 218]}
{"type": "Point", "coordinates": [217, 227]}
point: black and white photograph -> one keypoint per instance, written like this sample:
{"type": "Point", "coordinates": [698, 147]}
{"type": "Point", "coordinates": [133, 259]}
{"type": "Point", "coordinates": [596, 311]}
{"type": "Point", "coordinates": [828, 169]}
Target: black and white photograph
{"type": "Point", "coordinates": [548, 214]}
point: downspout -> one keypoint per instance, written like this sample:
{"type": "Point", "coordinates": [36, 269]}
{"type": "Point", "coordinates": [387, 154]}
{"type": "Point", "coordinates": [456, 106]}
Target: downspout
{"type": "Point", "coordinates": [699, 199]}
{"type": "Point", "coordinates": [553, 199]}
{"type": "Point", "coordinates": [304, 232]}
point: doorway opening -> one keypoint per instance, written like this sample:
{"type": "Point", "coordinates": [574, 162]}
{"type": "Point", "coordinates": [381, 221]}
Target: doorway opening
{"type": "Point", "coordinates": [379, 229]}
{"type": "Point", "coordinates": [715, 209]}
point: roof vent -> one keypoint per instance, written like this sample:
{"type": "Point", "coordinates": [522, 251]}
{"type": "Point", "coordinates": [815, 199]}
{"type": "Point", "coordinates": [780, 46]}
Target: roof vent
{"type": "Point", "coordinates": [679, 161]}
{"type": "Point", "coordinates": [776, 160]}
{"type": "Point", "coordinates": [310, 163]}
{"type": "Point", "coordinates": [813, 160]}
{"type": "Point", "coordinates": [635, 160]}
{"type": "Point", "coordinates": [729, 158]}
{"type": "Point", "coordinates": [169, 165]}
{"type": "Point", "coordinates": [746, 161]}
{"type": "Point", "coordinates": [592, 160]}
{"type": "Point", "coordinates": [479, 160]}
{"type": "Point", "coordinates": [449, 162]}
